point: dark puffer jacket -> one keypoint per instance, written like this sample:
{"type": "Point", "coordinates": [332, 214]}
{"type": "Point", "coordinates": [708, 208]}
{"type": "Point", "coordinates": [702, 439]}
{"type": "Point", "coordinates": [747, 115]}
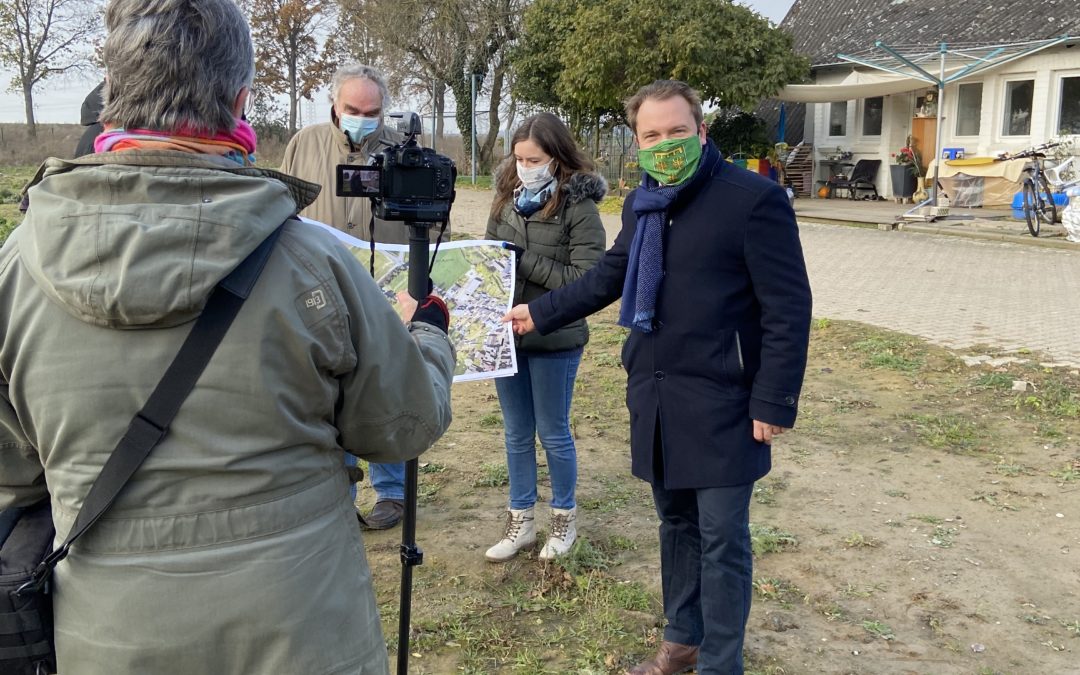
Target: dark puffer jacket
{"type": "Point", "coordinates": [88, 117]}
{"type": "Point", "coordinates": [559, 249]}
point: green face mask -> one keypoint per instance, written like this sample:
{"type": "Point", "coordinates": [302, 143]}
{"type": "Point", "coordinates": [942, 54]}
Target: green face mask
{"type": "Point", "coordinates": [672, 161]}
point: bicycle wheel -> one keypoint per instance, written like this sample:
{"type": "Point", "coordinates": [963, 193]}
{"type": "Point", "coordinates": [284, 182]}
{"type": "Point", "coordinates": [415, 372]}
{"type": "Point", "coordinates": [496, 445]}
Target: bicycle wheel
{"type": "Point", "coordinates": [1031, 206]}
{"type": "Point", "coordinates": [1049, 210]}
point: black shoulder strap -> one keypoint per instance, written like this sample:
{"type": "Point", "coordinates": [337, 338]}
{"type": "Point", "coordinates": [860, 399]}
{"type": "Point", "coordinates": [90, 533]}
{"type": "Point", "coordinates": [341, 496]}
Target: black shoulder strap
{"type": "Point", "coordinates": [151, 423]}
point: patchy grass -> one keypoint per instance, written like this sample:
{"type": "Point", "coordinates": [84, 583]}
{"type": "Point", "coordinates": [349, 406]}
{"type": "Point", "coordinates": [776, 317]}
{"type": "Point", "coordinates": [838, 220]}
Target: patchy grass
{"type": "Point", "coordinates": [947, 431]}
{"type": "Point", "coordinates": [878, 629]}
{"type": "Point", "coordinates": [493, 475]}
{"type": "Point", "coordinates": [1068, 473]}
{"type": "Point", "coordinates": [994, 380]}
{"type": "Point", "coordinates": [778, 590]}
{"type": "Point", "coordinates": [859, 540]}
{"type": "Point", "coordinates": [465, 181]}
{"type": "Point", "coordinates": [765, 490]}
{"type": "Point", "coordinates": [12, 180]}
{"type": "Point", "coordinates": [892, 352]}
{"type": "Point", "coordinates": [1056, 397]}
{"type": "Point", "coordinates": [767, 539]}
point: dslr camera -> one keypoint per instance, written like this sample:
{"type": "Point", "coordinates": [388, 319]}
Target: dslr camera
{"type": "Point", "coordinates": [405, 181]}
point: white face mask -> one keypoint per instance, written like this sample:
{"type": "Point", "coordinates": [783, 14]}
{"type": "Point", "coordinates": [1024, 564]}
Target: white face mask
{"type": "Point", "coordinates": [535, 178]}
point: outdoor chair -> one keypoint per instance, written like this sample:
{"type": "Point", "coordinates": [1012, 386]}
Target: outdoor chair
{"type": "Point", "coordinates": [861, 178]}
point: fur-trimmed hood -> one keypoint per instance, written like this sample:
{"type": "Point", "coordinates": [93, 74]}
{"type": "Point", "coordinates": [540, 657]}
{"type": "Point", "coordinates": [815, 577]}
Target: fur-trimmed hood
{"type": "Point", "coordinates": [585, 185]}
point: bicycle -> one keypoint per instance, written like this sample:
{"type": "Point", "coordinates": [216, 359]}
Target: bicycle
{"type": "Point", "coordinates": [1038, 197]}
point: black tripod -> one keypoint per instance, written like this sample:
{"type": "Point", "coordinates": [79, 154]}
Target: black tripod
{"type": "Point", "coordinates": [411, 555]}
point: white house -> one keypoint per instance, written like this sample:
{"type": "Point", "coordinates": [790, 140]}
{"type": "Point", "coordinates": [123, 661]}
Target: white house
{"type": "Point", "coordinates": [1023, 87]}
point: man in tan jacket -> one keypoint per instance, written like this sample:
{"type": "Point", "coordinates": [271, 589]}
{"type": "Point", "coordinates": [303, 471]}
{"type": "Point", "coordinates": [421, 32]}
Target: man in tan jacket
{"type": "Point", "coordinates": [354, 135]}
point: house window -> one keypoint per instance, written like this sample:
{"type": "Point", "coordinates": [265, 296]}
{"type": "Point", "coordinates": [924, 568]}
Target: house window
{"type": "Point", "coordinates": [871, 116]}
{"type": "Point", "coordinates": [969, 109]}
{"type": "Point", "coordinates": [838, 118]}
{"type": "Point", "coordinates": [1018, 96]}
{"type": "Point", "coordinates": [1069, 112]}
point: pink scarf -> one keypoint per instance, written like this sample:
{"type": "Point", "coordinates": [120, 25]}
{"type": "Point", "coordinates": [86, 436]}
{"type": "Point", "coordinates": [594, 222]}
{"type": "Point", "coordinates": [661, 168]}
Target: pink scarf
{"type": "Point", "coordinates": [237, 145]}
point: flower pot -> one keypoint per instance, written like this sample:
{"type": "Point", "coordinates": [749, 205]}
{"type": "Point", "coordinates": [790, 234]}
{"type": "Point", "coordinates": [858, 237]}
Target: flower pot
{"type": "Point", "coordinates": [903, 180]}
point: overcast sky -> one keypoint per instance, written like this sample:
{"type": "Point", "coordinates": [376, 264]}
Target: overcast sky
{"type": "Point", "coordinates": [59, 101]}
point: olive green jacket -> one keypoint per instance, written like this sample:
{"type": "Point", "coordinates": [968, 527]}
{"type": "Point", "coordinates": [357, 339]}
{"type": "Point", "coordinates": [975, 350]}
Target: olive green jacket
{"type": "Point", "coordinates": [558, 250]}
{"type": "Point", "coordinates": [235, 547]}
{"type": "Point", "coordinates": [313, 155]}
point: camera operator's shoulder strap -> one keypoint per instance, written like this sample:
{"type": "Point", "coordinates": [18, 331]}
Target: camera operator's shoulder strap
{"type": "Point", "coordinates": [151, 423]}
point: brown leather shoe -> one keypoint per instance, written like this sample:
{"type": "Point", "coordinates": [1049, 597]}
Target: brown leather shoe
{"type": "Point", "coordinates": [671, 658]}
{"type": "Point", "coordinates": [386, 514]}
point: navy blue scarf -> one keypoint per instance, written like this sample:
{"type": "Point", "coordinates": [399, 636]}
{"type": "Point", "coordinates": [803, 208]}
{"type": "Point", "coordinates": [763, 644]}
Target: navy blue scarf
{"type": "Point", "coordinates": [645, 267]}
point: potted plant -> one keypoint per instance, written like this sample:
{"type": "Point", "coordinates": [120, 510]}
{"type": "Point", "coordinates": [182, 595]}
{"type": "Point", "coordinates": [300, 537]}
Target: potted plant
{"type": "Point", "coordinates": [905, 171]}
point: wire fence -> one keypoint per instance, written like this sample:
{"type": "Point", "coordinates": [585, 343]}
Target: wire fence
{"type": "Point", "coordinates": [616, 157]}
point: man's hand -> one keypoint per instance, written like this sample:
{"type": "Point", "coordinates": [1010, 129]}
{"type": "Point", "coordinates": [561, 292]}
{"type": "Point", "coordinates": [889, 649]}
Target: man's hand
{"type": "Point", "coordinates": [521, 319]}
{"type": "Point", "coordinates": [764, 433]}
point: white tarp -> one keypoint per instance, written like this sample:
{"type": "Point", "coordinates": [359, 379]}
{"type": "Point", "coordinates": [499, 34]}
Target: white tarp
{"type": "Point", "coordinates": [858, 84]}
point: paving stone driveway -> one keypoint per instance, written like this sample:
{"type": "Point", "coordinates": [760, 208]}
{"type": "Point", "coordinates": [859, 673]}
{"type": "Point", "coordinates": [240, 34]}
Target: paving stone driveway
{"type": "Point", "coordinates": [956, 292]}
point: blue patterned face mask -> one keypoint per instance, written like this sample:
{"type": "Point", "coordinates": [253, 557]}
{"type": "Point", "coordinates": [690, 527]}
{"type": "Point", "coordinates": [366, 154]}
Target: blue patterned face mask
{"type": "Point", "coordinates": [357, 128]}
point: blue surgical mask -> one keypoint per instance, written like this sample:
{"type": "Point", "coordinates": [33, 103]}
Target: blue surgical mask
{"type": "Point", "coordinates": [357, 128]}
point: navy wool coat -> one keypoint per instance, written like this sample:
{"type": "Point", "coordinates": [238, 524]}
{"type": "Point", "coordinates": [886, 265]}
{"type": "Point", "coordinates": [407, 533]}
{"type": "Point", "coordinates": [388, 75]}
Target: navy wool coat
{"type": "Point", "coordinates": [733, 323]}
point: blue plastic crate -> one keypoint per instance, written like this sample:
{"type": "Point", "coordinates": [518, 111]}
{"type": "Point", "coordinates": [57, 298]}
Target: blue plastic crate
{"type": "Point", "coordinates": [952, 153]}
{"type": "Point", "coordinates": [1018, 200]}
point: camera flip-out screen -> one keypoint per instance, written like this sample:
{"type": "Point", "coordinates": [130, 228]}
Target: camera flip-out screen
{"type": "Point", "coordinates": [357, 181]}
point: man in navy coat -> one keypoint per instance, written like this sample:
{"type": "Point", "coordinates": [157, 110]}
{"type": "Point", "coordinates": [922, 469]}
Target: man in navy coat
{"type": "Point", "coordinates": [714, 290]}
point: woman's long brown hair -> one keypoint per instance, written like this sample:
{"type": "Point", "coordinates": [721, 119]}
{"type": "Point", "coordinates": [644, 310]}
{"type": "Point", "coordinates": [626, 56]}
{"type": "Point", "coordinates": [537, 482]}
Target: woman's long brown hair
{"type": "Point", "coordinates": [554, 138]}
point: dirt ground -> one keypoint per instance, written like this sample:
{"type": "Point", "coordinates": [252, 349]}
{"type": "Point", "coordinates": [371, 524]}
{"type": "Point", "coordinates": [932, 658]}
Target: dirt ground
{"type": "Point", "coordinates": [921, 518]}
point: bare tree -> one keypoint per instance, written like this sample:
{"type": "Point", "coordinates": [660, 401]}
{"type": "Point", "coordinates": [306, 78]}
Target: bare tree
{"type": "Point", "coordinates": [40, 39]}
{"type": "Point", "coordinates": [288, 56]}
{"type": "Point", "coordinates": [438, 44]}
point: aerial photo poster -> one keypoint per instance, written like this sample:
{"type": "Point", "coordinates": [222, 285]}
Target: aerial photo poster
{"type": "Point", "coordinates": [475, 278]}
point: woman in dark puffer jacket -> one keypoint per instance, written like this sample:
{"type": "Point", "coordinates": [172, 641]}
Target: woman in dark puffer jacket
{"type": "Point", "coordinates": [545, 209]}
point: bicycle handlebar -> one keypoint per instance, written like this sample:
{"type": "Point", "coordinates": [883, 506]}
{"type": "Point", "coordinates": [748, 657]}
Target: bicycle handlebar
{"type": "Point", "coordinates": [1034, 152]}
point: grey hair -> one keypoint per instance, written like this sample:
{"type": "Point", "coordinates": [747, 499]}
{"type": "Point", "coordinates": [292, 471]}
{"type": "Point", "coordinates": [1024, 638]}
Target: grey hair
{"type": "Point", "coordinates": [352, 71]}
{"type": "Point", "coordinates": [175, 64]}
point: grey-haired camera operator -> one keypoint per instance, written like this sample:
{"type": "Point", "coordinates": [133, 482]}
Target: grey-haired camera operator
{"type": "Point", "coordinates": [355, 134]}
{"type": "Point", "coordinates": [233, 548]}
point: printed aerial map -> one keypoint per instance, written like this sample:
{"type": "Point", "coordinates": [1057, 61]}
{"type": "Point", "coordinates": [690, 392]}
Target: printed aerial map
{"type": "Point", "coordinates": [475, 278]}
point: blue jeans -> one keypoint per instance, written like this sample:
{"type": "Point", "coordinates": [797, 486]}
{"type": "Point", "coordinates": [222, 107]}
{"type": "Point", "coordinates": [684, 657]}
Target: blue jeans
{"type": "Point", "coordinates": [706, 570]}
{"type": "Point", "coordinates": [350, 460]}
{"type": "Point", "coordinates": [537, 401]}
{"type": "Point", "coordinates": [387, 479]}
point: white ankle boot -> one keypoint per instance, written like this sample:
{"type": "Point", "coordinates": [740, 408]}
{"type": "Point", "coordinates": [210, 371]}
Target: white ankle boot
{"type": "Point", "coordinates": [520, 535]}
{"type": "Point", "coordinates": [562, 535]}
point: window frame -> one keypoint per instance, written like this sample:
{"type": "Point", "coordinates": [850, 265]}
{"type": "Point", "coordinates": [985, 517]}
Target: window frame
{"type": "Point", "coordinates": [982, 96]}
{"type": "Point", "coordinates": [828, 120]}
{"type": "Point", "coordinates": [1006, 99]}
{"type": "Point", "coordinates": [863, 108]}
{"type": "Point", "coordinates": [1060, 100]}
